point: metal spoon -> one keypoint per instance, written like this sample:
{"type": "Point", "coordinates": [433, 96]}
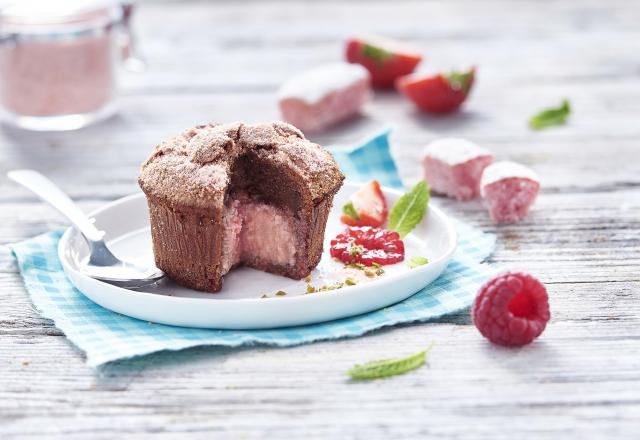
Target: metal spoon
{"type": "Point", "coordinates": [101, 264]}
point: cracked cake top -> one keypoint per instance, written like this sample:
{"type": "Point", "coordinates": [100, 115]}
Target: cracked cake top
{"type": "Point", "coordinates": [194, 168]}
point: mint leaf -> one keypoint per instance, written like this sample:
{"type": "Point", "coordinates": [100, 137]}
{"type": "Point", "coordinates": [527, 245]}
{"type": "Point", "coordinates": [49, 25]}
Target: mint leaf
{"type": "Point", "coordinates": [377, 54]}
{"type": "Point", "coordinates": [417, 261]}
{"type": "Point", "coordinates": [551, 116]}
{"type": "Point", "coordinates": [388, 367]}
{"type": "Point", "coordinates": [350, 210]}
{"type": "Point", "coordinates": [409, 210]}
{"type": "Point", "coordinates": [460, 80]}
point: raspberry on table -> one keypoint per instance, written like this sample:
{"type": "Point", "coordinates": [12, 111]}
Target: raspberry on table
{"type": "Point", "coordinates": [511, 309]}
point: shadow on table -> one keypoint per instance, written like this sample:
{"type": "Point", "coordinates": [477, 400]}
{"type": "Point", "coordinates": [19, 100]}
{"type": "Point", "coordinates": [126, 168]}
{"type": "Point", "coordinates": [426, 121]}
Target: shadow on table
{"type": "Point", "coordinates": [444, 124]}
{"type": "Point", "coordinates": [118, 375]}
{"type": "Point", "coordinates": [537, 354]}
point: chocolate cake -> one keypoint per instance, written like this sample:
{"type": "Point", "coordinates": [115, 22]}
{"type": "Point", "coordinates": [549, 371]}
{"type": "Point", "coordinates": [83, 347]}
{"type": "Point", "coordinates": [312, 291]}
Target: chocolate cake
{"type": "Point", "coordinates": [221, 195]}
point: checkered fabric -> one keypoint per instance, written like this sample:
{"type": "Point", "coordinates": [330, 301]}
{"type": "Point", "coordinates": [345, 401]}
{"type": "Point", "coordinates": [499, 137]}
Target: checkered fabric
{"type": "Point", "coordinates": [107, 336]}
{"type": "Point", "coordinates": [369, 159]}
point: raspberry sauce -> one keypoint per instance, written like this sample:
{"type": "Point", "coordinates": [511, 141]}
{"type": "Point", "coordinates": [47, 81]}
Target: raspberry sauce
{"type": "Point", "coordinates": [368, 245]}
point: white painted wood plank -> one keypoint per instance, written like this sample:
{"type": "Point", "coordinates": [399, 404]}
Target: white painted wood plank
{"type": "Point", "coordinates": [580, 380]}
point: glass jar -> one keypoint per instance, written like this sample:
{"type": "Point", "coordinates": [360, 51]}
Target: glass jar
{"type": "Point", "coordinates": [58, 61]}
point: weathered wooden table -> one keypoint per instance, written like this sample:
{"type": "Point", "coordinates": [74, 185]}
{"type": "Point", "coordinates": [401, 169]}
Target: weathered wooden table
{"type": "Point", "coordinates": [224, 61]}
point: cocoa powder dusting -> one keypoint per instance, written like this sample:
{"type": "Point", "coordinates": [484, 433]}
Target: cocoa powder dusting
{"type": "Point", "coordinates": [193, 168]}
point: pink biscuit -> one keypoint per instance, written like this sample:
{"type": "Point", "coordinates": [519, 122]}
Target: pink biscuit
{"type": "Point", "coordinates": [509, 189]}
{"type": "Point", "coordinates": [320, 97]}
{"type": "Point", "coordinates": [453, 167]}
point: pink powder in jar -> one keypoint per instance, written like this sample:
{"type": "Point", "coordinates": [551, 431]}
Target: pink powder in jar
{"type": "Point", "coordinates": [58, 62]}
{"type": "Point", "coordinates": [57, 78]}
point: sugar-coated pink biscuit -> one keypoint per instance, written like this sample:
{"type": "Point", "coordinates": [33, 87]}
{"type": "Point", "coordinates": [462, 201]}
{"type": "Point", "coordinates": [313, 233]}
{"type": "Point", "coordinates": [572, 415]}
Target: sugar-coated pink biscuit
{"type": "Point", "coordinates": [509, 189]}
{"type": "Point", "coordinates": [453, 167]}
{"type": "Point", "coordinates": [323, 96]}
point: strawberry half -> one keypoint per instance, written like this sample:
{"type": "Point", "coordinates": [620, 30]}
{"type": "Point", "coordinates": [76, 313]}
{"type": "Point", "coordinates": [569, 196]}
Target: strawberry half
{"type": "Point", "coordinates": [386, 60]}
{"type": "Point", "coordinates": [366, 207]}
{"type": "Point", "coordinates": [442, 93]}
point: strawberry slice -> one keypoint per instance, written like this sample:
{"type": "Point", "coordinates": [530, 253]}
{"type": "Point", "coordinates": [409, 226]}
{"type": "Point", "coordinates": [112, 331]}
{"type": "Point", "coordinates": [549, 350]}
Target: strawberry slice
{"type": "Point", "coordinates": [442, 93]}
{"type": "Point", "coordinates": [366, 207]}
{"type": "Point", "coordinates": [385, 59]}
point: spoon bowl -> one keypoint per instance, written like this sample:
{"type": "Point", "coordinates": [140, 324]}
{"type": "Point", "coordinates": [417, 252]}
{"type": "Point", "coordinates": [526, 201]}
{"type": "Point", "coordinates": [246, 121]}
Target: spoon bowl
{"type": "Point", "coordinates": [101, 263]}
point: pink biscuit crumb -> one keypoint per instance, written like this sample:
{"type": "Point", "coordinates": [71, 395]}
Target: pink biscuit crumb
{"type": "Point", "coordinates": [453, 167]}
{"type": "Point", "coordinates": [321, 97]}
{"type": "Point", "coordinates": [509, 189]}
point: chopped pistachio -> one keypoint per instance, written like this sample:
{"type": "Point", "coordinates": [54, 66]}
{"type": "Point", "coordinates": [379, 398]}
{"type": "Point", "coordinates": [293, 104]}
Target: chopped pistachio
{"type": "Point", "coordinates": [334, 286]}
{"type": "Point", "coordinates": [311, 289]}
{"type": "Point", "coordinates": [370, 273]}
{"type": "Point", "coordinates": [350, 281]}
{"type": "Point", "coordinates": [356, 249]}
{"type": "Point", "coordinates": [307, 279]}
{"type": "Point", "coordinates": [281, 293]}
{"type": "Point", "coordinates": [264, 295]}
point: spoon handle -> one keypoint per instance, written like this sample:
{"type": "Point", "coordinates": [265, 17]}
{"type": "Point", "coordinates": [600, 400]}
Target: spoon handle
{"type": "Point", "coordinates": [54, 196]}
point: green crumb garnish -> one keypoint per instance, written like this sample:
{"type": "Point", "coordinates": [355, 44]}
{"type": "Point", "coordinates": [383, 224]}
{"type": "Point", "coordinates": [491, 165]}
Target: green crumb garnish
{"type": "Point", "coordinates": [370, 273]}
{"type": "Point", "coordinates": [356, 249]}
{"type": "Point", "coordinates": [417, 261]}
{"type": "Point", "coordinates": [281, 293]}
{"type": "Point", "coordinates": [307, 279]}
{"type": "Point", "coordinates": [327, 288]}
{"type": "Point", "coordinates": [350, 281]}
{"type": "Point", "coordinates": [376, 265]}
{"type": "Point", "coordinates": [311, 289]}
{"type": "Point", "coordinates": [355, 265]}
{"type": "Point", "coordinates": [264, 295]}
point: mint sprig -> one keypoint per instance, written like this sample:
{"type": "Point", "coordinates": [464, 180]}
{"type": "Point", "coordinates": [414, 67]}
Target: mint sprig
{"type": "Point", "coordinates": [350, 210]}
{"type": "Point", "coordinates": [551, 116]}
{"type": "Point", "coordinates": [409, 210]}
{"type": "Point", "coordinates": [417, 261]}
{"type": "Point", "coordinates": [388, 367]}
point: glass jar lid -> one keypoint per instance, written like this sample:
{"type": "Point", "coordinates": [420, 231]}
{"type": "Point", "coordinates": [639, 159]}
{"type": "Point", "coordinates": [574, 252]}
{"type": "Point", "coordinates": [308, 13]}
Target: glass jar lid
{"type": "Point", "coordinates": [46, 19]}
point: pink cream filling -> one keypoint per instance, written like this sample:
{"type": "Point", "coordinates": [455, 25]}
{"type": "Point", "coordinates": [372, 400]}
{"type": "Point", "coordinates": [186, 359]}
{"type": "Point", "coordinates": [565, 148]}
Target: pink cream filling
{"type": "Point", "coordinates": [257, 231]}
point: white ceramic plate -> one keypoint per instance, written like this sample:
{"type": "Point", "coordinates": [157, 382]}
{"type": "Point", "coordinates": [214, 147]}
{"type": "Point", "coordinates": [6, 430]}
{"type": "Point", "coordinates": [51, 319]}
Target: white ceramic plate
{"type": "Point", "coordinates": [239, 305]}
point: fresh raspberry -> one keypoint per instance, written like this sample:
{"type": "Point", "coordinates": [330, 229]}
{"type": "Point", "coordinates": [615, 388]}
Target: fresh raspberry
{"type": "Point", "coordinates": [368, 245]}
{"type": "Point", "coordinates": [511, 309]}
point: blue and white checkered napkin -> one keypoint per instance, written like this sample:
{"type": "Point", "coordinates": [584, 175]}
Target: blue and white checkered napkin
{"type": "Point", "coordinates": [106, 336]}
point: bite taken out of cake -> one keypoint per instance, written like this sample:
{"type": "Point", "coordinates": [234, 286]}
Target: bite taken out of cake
{"type": "Point", "coordinates": [222, 195]}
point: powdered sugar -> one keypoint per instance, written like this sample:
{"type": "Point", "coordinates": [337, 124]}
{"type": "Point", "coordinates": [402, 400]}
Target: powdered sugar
{"type": "Point", "coordinates": [193, 168]}
{"type": "Point", "coordinates": [453, 151]}
{"type": "Point", "coordinates": [210, 175]}
{"type": "Point", "coordinates": [313, 85]}
{"type": "Point", "coordinates": [505, 170]}
{"type": "Point", "coordinates": [314, 160]}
